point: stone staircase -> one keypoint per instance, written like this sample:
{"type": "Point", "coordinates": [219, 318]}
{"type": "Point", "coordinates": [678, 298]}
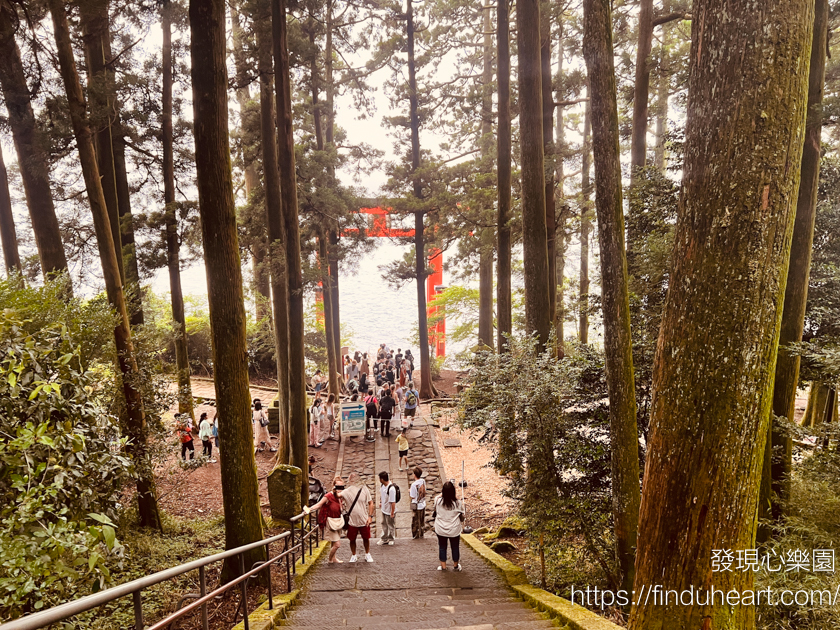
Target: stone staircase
{"type": "Point", "coordinates": [402, 590]}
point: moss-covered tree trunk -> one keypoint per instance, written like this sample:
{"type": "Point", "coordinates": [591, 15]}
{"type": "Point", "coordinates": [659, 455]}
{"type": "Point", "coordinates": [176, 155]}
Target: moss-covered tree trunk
{"type": "Point", "coordinates": [135, 417]}
{"type": "Point", "coordinates": [585, 226]}
{"type": "Point", "coordinates": [326, 287]}
{"type": "Point", "coordinates": [288, 189]}
{"type": "Point", "coordinates": [796, 289]}
{"type": "Point", "coordinates": [31, 148]}
{"type": "Point", "coordinates": [240, 489]}
{"type": "Point", "coordinates": [561, 237]}
{"type": "Point", "coordinates": [8, 236]}
{"type": "Point", "coordinates": [173, 238]}
{"type": "Point", "coordinates": [548, 158]}
{"type": "Point", "coordinates": [641, 90]}
{"type": "Point", "coordinates": [274, 221]}
{"type": "Point", "coordinates": [713, 370]}
{"type": "Point", "coordinates": [504, 321]}
{"type": "Point", "coordinates": [534, 236]}
{"type": "Point", "coordinates": [618, 346]}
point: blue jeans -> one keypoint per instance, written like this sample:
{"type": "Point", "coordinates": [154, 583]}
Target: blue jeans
{"type": "Point", "coordinates": [454, 542]}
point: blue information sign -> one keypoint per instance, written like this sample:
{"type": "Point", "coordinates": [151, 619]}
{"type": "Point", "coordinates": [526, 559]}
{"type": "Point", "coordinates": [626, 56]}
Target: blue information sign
{"type": "Point", "coordinates": [352, 419]}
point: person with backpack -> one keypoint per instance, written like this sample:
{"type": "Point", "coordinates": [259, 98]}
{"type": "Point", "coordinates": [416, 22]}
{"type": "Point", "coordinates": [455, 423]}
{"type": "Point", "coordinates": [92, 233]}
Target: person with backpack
{"type": "Point", "coordinates": [402, 445]}
{"type": "Point", "coordinates": [412, 401]}
{"type": "Point", "coordinates": [205, 434]}
{"type": "Point", "coordinates": [183, 427]}
{"type": "Point", "coordinates": [260, 421]}
{"type": "Point", "coordinates": [417, 492]}
{"type": "Point", "coordinates": [216, 429]}
{"type": "Point", "coordinates": [389, 496]}
{"type": "Point", "coordinates": [330, 518]}
{"type": "Point", "coordinates": [371, 410]}
{"type": "Point", "coordinates": [449, 519]}
{"type": "Point", "coordinates": [386, 412]}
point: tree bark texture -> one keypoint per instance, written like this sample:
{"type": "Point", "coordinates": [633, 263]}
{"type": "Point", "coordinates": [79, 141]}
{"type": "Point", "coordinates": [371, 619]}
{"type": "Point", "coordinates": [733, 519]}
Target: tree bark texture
{"type": "Point", "coordinates": [276, 228]}
{"type": "Point", "coordinates": [713, 370]}
{"type": "Point", "coordinates": [31, 148]}
{"type": "Point", "coordinates": [95, 32]}
{"type": "Point", "coordinates": [8, 236]}
{"type": "Point", "coordinates": [427, 388]}
{"type": "Point", "coordinates": [504, 321]}
{"type": "Point", "coordinates": [135, 416]}
{"type": "Point", "coordinates": [796, 289]}
{"type": "Point", "coordinates": [663, 92]}
{"type": "Point", "coordinates": [548, 157]}
{"type": "Point", "coordinates": [561, 238]}
{"type": "Point", "coordinates": [329, 115]}
{"type": "Point", "coordinates": [618, 346]}
{"type": "Point", "coordinates": [240, 489]}
{"type": "Point", "coordinates": [585, 225]}
{"type": "Point", "coordinates": [485, 262]}
{"type": "Point", "coordinates": [332, 347]}
{"type": "Point", "coordinates": [534, 236]}
{"type": "Point", "coordinates": [641, 90]}
{"type": "Point", "coordinates": [288, 186]}
{"type": "Point", "coordinates": [173, 239]}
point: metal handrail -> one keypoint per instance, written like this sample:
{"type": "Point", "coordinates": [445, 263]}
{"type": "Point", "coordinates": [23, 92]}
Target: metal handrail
{"type": "Point", "coordinates": [134, 588]}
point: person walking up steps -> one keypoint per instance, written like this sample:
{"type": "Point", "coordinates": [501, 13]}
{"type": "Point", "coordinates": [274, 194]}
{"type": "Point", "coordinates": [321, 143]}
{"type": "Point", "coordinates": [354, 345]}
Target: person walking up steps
{"type": "Point", "coordinates": [328, 424]}
{"type": "Point", "coordinates": [402, 445]}
{"type": "Point", "coordinates": [388, 498]}
{"type": "Point", "coordinates": [315, 413]}
{"type": "Point", "coordinates": [329, 518]}
{"type": "Point", "coordinates": [449, 519]}
{"type": "Point", "coordinates": [412, 401]}
{"type": "Point", "coordinates": [260, 422]}
{"type": "Point", "coordinates": [386, 411]}
{"type": "Point", "coordinates": [360, 510]}
{"type": "Point", "coordinates": [418, 503]}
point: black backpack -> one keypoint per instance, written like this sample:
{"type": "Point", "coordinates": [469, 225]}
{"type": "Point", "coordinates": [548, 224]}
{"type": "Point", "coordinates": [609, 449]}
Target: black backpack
{"type": "Point", "coordinates": [370, 407]}
{"type": "Point", "coordinates": [397, 495]}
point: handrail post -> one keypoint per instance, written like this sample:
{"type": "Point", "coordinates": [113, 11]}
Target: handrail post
{"type": "Point", "coordinates": [288, 567]}
{"type": "Point", "coordinates": [309, 534]}
{"type": "Point", "coordinates": [294, 554]}
{"type": "Point", "coordinates": [302, 543]}
{"type": "Point", "coordinates": [244, 591]}
{"type": "Point", "coordinates": [268, 571]}
{"type": "Point", "coordinates": [202, 582]}
{"type": "Point", "coordinates": [138, 610]}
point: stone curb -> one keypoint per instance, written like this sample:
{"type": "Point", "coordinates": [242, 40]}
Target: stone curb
{"type": "Point", "coordinates": [264, 618]}
{"type": "Point", "coordinates": [564, 612]}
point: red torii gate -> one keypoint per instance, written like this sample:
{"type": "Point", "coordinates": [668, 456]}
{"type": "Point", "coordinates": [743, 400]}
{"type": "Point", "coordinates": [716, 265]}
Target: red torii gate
{"type": "Point", "coordinates": [380, 227]}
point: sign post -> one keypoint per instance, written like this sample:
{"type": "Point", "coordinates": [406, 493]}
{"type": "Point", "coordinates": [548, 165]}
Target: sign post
{"type": "Point", "coordinates": [352, 419]}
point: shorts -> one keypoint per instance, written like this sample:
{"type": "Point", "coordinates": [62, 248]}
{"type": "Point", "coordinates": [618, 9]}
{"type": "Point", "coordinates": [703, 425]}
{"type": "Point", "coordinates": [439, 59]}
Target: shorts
{"type": "Point", "coordinates": [404, 453]}
{"type": "Point", "coordinates": [352, 532]}
{"type": "Point", "coordinates": [411, 411]}
{"type": "Point", "coordinates": [331, 535]}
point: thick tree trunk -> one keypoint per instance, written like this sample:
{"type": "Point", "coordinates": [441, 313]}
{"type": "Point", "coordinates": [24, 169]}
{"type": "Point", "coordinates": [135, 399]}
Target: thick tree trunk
{"type": "Point", "coordinates": [663, 84]}
{"type": "Point", "coordinates": [135, 416]}
{"type": "Point", "coordinates": [585, 225]}
{"type": "Point", "coordinates": [276, 228]}
{"type": "Point", "coordinates": [262, 280]}
{"type": "Point", "coordinates": [485, 261]}
{"type": "Point", "coordinates": [288, 187]}
{"type": "Point", "coordinates": [534, 236]}
{"type": "Point", "coordinates": [240, 488]}
{"type": "Point", "coordinates": [548, 156]}
{"type": "Point", "coordinates": [329, 114]}
{"type": "Point", "coordinates": [173, 239]}
{"type": "Point", "coordinates": [427, 388]}
{"type": "Point", "coordinates": [713, 371]}
{"type": "Point", "coordinates": [504, 321]}
{"type": "Point", "coordinates": [796, 288]}
{"type": "Point", "coordinates": [618, 346]}
{"type": "Point", "coordinates": [30, 147]}
{"type": "Point", "coordinates": [332, 355]}
{"type": "Point", "coordinates": [641, 90]}
{"type": "Point", "coordinates": [816, 405]}
{"type": "Point", "coordinates": [8, 236]}
{"type": "Point", "coordinates": [336, 311]}
{"type": "Point", "coordinates": [94, 22]}
{"type": "Point", "coordinates": [561, 238]}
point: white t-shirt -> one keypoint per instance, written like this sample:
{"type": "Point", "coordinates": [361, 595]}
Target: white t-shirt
{"type": "Point", "coordinates": [315, 413]}
{"type": "Point", "coordinates": [448, 520]}
{"type": "Point", "coordinates": [387, 496]}
{"type": "Point", "coordinates": [413, 493]}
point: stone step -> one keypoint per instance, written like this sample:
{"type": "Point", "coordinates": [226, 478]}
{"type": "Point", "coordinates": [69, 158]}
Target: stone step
{"type": "Point", "coordinates": [374, 608]}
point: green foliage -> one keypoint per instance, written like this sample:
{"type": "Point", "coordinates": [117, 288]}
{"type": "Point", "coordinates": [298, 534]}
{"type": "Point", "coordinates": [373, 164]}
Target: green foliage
{"type": "Point", "coordinates": [547, 423]}
{"type": "Point", "coordinates": [61, 468]}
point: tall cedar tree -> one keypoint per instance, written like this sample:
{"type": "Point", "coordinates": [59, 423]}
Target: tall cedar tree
{"type": "Point", "coordinates": [638, 139]}
{"type": "Point", "coordinates": [585, 225]}
{"type": "Point", "coordinates": [548, 152]}
{"type": "Point", "coordinates": [713, 370]}
{"type": "Point", "coordinates": [173, 240]}
{"type": "Point", "coordinates": [796, 288]}
{"type": "Point", "coordinates": [427, 388]}
{"type": "Point", "coordinates": [31, 149]}
{"type": "Point", "coordinates": [8, 236]}
{"type": "Point", "coordinates": [618, 345]}
{"type": "Point", "coordinates": [534, 237]}
{"type": "Point", "coordinates": [274, 220]}
{"type": "Point", "coordinates": [504, 318]}
{"type": "Point", "coordinates": [240, 489]}
{"type": "Point", "coordinates": [485, 264]}
{"type": "Point", "coordinates": [288, 189]}
{"type": "Point", "coordinates": [135, 417]}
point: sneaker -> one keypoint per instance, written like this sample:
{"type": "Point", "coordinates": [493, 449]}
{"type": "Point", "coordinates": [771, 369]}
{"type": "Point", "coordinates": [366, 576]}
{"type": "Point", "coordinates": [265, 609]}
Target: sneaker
{"type": "Point", "coordinates": [212, 461]}
{"type": "Point", "coordinates": [368, 557]}
{"type": "Point", "coordinates": [353, 558]}
{"type": "Point", "coordinates": [458, 567]}
{"type": "Point", "coordinates": [391, 542]}
{"type": "Point", "coordinates": [381, 542]}
{"type": "Point", "coordinates": [273, 450]}
{"type": "Point", "coordinates": [440, 568]}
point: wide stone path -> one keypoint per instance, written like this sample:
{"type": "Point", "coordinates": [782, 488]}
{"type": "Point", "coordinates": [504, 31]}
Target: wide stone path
{"type": "Point", "coordinates": [402, 590]}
